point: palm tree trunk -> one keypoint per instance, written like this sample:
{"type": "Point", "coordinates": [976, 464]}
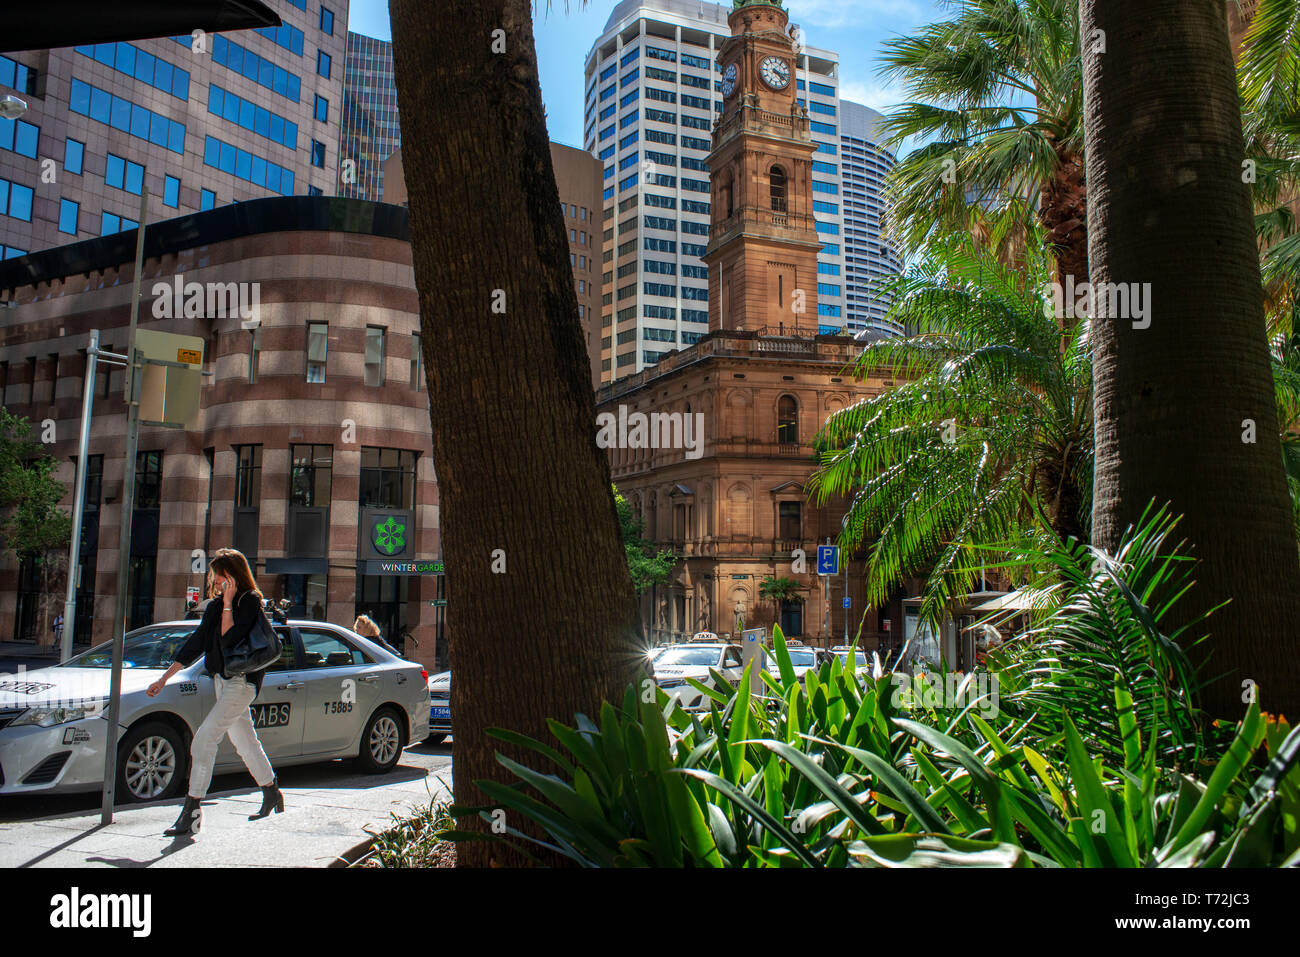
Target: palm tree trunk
{"type": "Point", "coordinates": [1063, 213]}
{"type": "Point", "coordinates": [521, 481]}
{"type": "Point", "coordinates": [1184, 409]}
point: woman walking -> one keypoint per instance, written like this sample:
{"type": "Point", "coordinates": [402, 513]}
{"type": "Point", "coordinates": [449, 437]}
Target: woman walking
{"type": "Point", "coordinates": [229, 617]}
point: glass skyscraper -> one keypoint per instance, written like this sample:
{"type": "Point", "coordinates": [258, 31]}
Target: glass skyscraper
{"type": "Point", "coordinates": [869, 258]}
{"type": "Point", "coordinates": [372, 130]}
{"type": "Point", "coordinates": [225, 118]}
{"type": "Point", "coordinates": [652, 94]}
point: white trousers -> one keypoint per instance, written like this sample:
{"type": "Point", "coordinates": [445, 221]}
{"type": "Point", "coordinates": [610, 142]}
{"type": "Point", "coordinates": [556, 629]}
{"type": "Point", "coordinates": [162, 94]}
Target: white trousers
{"type": "Point", "coordinates": [229, 716]}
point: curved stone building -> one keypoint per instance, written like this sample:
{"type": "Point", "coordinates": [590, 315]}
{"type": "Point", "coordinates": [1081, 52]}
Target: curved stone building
{"type": "Point", "coordinates": [311, 451]}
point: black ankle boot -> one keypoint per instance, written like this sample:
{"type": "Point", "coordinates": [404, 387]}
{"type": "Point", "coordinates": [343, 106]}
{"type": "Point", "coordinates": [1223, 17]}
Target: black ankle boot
{"type": "Point", "coordinates": [272, 800]}
{"type": "Point", "coordinates": [188, 822]}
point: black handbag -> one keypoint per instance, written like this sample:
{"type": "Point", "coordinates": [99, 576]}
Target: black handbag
{"type": "Point", "coordinates": [254, 651]}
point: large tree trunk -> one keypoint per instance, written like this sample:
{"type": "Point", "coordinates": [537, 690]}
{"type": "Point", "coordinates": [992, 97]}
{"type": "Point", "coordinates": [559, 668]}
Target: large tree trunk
{"type": "Point", "coordinates": [520, 478]}
{"type": "Point", "coordinates": [1173, 402]}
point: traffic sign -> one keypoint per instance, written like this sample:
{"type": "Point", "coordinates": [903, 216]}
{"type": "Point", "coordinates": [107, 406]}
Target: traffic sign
{"type": "Point", "coordinates": [828, 559]}
{"type": "Point", "coordinates": [847, 603]}
{"type": "Point", "coordinates": [171, 378]}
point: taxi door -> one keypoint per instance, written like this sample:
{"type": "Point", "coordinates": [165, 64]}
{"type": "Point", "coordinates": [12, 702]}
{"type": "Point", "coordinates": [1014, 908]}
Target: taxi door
{"type": "Point", "coordinates": [278, 711]}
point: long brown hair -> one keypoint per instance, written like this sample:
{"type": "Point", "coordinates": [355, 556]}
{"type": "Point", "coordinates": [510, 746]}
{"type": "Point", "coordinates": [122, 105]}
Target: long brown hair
{"type": "Point", "coordinates": [231, 561]}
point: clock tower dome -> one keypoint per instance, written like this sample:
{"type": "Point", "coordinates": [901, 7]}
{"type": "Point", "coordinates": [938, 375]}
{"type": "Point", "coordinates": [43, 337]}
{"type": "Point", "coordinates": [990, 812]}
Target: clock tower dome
{"type": "Point", "coordinates": [763, 245]}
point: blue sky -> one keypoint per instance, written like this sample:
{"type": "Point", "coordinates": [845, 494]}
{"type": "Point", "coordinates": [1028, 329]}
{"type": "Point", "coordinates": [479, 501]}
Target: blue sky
{"type": "Point", "coordinates": [853, 28]}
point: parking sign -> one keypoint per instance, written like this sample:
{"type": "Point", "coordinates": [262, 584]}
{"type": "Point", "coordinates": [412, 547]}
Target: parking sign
{"type": "Point", "coordinates": [828, 559]}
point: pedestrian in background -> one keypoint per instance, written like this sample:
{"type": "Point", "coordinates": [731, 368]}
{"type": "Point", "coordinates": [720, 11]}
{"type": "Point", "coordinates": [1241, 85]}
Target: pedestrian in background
{"type": "Point", "coordinates": [227, 619]}
{"type": "Point", "coordinates": [58, 629]}
{"type": "Point", "coordinates": [367, 628]}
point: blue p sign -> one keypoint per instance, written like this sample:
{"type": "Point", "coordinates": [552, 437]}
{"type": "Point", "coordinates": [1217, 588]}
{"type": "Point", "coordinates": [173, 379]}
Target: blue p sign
{"type": "Point", "coordinates": [828, 559]}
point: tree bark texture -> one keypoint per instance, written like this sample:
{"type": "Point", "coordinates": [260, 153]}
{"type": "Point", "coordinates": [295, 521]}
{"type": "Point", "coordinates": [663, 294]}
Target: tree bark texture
{"type": "Point", "coordinates": [523, 486]}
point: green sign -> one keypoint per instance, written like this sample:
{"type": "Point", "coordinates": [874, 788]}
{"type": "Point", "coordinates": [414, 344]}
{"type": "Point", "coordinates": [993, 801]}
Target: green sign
{"type": "Point", "coordinates": [389, 536]}
{"type": "Point", "coordinates": [399, 566]}
{"type": "Point", "coordinates": [438, 603]}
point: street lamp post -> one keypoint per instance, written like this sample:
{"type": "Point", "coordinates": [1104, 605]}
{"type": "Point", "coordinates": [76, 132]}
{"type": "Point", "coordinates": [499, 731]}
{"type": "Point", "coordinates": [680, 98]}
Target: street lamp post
{"type": "Point", "coordinates": [94, 356]}
{"type": "Point", "coordinates": [132, 395]}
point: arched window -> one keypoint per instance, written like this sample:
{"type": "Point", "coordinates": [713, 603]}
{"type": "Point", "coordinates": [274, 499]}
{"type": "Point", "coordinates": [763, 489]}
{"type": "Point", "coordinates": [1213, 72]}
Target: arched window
{"type": "Point", "coordinates": [776, 181]}
{"type": "Point", "coordinates": [787, 420]}
{"type": "Point", "coordinates": [726, 195]}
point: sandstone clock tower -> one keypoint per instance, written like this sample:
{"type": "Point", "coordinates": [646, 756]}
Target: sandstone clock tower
{"type": "Point", "coordinates": [763, 245]}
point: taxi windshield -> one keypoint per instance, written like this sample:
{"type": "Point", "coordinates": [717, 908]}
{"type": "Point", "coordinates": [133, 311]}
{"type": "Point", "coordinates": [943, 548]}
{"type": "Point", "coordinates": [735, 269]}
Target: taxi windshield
{"type": "Point", "coordinates": [688, 657]}
{"type": "Point", "coordinates": [155, 648]}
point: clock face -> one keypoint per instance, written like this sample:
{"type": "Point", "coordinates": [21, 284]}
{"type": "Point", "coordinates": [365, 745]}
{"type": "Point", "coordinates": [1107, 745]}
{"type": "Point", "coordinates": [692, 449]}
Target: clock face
{"type": "Point", "coordinates": [729, 80]}
{"type": "Point", "coordinates": [775, 72]}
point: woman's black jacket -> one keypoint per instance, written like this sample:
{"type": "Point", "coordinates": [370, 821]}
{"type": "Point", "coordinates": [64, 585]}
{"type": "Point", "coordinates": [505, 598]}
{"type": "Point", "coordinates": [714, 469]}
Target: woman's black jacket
{"type": "Point", "coordinates": [208, 640]}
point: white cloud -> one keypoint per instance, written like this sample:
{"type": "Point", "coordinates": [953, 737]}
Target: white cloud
{"type": "Point", "coordinates": [878, 93]}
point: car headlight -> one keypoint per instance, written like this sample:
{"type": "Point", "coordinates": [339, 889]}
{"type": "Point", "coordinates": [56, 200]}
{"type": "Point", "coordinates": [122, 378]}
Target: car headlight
{"type": "Point", "coordinates": [49, 717]}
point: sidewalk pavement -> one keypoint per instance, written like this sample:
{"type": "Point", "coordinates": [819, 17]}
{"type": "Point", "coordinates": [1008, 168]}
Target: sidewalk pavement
{"type": "Point", "coordinates": [328, 811]}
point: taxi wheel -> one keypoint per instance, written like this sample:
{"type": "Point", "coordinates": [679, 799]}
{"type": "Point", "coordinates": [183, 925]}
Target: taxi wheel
{"type": "Point", "coordinates": [381, 742]}
{"type": "Point", "coordinates": [151, 763]}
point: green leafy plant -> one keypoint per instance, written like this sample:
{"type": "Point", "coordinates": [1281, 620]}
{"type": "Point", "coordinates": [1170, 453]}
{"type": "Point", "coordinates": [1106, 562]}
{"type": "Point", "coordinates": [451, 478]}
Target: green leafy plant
{"type": "Point", "coordinates": [989, 434]}
{"type": "Point", "coordinates": [844, 769]}
{"type": "Point", "coordinates": [648, 567]}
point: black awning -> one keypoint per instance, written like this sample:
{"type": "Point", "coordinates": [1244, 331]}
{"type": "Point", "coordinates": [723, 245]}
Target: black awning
{"type": "Point", "coordinates": [297, 566]}
{"type": "Point", "coordinates": [67, 23]}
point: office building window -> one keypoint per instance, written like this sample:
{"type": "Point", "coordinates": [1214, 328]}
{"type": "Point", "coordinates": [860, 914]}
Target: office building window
{"type": "Point", "coordinates": [143, 66]}
{"type": "Point", "coordinates": [248, 476]}
{"type": "Point", "coordinates": [122, 114]}
{"type": "Point", "coordinates": [68, 216]}
{"type": "Point", "coordinates": [112, 223]}
{"type": "Point", "coordinates": [16, 200]}
{"type": "Point", "coordinates": [207, 199]}
{"type": "Point", "coordinates": [317, 343]}
{"type": "Point", "coordinates": [245, 165]}
{"type": "Point", "coordinates": [254, 354]}
{"type": "Point", "coordinates": [417, 363]}
{"type": "Point", "coordinates": [235, 58]}
{"type": "Point", "coordinates": [73, 153]}
{"type": "Point", "coordinates": [248, 499]}
{"type": "Point", "coordinates": [318, 153]}
{"type": "Point", "coordinates": [323, 63]}
{"type": "Point", "coordinates": [287, 36]}
{"type": "Point", "coordinates": [312, 470]}
{"type": "Point", "coordinates": [148, 479]}
{"type": "Point", "coordinates": [387, 478]}
{"type": "Point", "coordinates": [17, 76]}
{"type": "Point", "coordinates": [140, 590]}
{"type": "Point", "coordinates": [374, 356]}
{"type": "Point", "coordinates": [327, 21]}
{"type": "Point", "coordinates": [123, 174]}
{"type": "Point", "coordinates": [322, 108]}
{"type": "Point", "coordinates": [254, 118]}
{"type": "Point", "coordinates": [315, 191]}
{"type": "Point", "coordinates": [307, 595]}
